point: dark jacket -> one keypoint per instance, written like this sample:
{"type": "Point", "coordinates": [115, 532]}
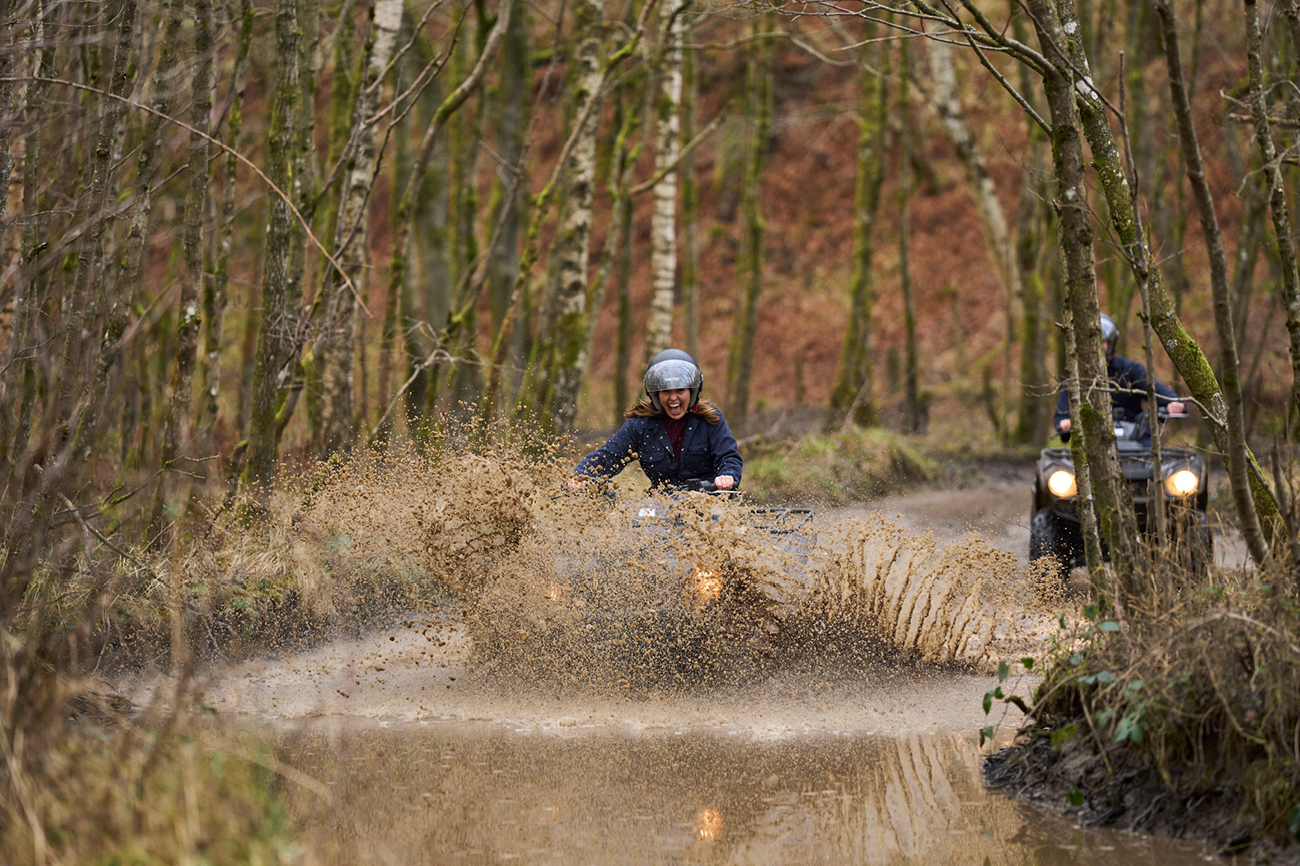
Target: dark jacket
{"type": "Point", "coordinates": [1125, 375]}
{"type": "Point", "coordinates": [708, 450]}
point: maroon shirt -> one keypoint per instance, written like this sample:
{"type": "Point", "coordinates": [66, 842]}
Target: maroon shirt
{"type": "Point", "coordinates": [676, 434]}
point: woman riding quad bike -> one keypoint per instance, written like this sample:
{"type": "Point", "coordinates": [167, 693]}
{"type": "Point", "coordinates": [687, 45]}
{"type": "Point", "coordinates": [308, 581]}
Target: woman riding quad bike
{"type": "Point", "coordinates": [676, 438]}
{"type": "Point", "coordinates": [666, 588]}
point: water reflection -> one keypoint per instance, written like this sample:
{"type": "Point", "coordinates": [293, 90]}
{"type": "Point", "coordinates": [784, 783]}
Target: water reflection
{"type": "Point", "coordinates": [480, 794]}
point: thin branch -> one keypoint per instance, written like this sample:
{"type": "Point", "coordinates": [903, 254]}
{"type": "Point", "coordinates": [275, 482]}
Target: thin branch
{"type": "Point", "coordinates": [306, 227]}
{"type": "Point", "coordinates": [415, 37]}
{"type": "Point", "coordinates": [419, 82]}
{"type": "Point", "coordinates": [685, 149]}
{"type": "Point", "coordinates": [1007, 85]}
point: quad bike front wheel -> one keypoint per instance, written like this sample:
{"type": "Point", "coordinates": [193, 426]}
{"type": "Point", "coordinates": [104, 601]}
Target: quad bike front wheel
{"type": "Point", "coordinates": [1047, 540]}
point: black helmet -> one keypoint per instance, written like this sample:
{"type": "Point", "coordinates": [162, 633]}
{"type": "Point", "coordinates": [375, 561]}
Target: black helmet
{"type": "Point", "coordinates": [669, 370]}
{"type": "Point", "coordinates": [1109, 335]}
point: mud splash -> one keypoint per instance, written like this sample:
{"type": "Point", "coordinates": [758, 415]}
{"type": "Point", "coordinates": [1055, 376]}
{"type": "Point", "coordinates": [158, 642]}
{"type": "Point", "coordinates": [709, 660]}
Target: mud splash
{"type": "Point", "coordinates": [533, 567]}
{"type": "Point", "coordinates": [502, 578]}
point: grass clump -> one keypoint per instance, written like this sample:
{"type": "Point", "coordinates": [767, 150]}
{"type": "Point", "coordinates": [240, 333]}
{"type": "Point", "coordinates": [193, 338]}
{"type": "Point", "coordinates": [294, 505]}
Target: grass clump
{"type": "Point", "coordinates": [350, 544]}
{"type": "Point", "coordinates": [115, 792]}
{"type": "Point", "coordinates": [835, 468]}
{"type": "Point", "coordinates": [1179, 716]}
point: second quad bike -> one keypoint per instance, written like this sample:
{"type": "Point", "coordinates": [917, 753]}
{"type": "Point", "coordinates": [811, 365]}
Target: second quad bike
{"type": "Point", "coordinates": [1054, 529]}
{"type": "Point", "coordinates": [675, 585]}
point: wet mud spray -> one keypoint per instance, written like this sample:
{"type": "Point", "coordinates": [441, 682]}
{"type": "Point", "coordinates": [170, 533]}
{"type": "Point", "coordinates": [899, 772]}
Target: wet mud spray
{"type": "Point", "coordinates": [577, 677]}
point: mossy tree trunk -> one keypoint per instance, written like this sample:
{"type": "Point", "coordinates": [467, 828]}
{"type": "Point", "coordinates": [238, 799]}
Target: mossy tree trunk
{"type": "Point", "coordinates": [911, 357]}
{"type": "Point", "coordinates": [1095, 454]}
{"type": "Point", "coordinates": [275, 340]}
{"type": "Point", "coordinates": [1238, 456]}
{"type": "Point", "coordinates": [174, 487]}
{"type": "Point", "coordinates": [512, 97]}
{"type": "Point", "coordinates": [690, 210]}
{"type": "Point", "coordinates": [618, 236]}
{"type": "Point", "coordinates": [413, 187]}
{"type": "Point", "coordinates": [1186, 354]}
{"type": "Point", "coordinates": [216, 287]}
{"type": "Point", "coordinates": [744, 326]}
{"type": "Point", "coordinates": [560, 357]}
{"type": "Point", "coordinates": [852, 398]}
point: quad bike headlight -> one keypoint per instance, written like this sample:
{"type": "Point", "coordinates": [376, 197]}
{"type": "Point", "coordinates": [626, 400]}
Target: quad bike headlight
{"type": "Point", "coordinates": [1182, 483]}
{"type": "Point", "coordinates": [1061, 483]}
{"type": "Point", "coordinates": [706, 586]}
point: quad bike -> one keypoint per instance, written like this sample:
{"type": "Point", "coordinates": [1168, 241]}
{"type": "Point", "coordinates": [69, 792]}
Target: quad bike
{"type": "Point", "coordinates": [678, 584]}
{"type": "Point", "coordinates": [1054, 529]}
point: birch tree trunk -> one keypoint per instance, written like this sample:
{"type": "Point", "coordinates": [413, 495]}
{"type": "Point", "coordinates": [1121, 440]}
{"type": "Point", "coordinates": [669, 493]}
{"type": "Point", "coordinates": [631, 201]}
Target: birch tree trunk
{"type": "Point", "coordinates": [663, 223]}
{"type": "Point", "coordinates": [946, 105]}
{"type": "Point", "coordinates": [740, 351]}
{"type": "Point", "coordinates": [276, 334]}
{"type": "Point", "coordinates": [852, 399]}
{"type": "Point", "coordinates": [351, 240]}
{"type": "Point", "coordinates": [562, 352]}
{"type": "Point", "coordinates": [173, 489]}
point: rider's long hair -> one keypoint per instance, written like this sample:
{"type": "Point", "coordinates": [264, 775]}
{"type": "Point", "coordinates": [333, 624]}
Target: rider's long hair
{"type": "Point", "coordinates": [645, 409]}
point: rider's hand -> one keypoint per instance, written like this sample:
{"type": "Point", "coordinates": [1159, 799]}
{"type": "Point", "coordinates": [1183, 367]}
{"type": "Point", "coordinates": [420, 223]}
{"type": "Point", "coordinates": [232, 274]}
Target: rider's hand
{"type": "Point", "coordinates": [1064, 426]}
{"type": "Point", "coordinates": [1176, 408]}
{"type": "Point", "coordinates": [577, 483]}
{"type": "Point", "coordinates": [724, 482]}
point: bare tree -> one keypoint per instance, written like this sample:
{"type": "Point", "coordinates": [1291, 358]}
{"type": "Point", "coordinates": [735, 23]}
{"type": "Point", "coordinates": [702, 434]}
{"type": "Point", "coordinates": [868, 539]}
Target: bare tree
{"type": "Point", "coordinates": [852, 399]}
{"type": "Point", "coordinates": [275, 340]}
{"type": "Point", "coordinates": [749, 277]}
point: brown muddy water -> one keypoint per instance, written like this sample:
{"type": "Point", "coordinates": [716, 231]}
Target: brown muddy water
{"type": "Point", "coordinates": [480, 793]}
{"type": "Point", "coordinates": [413, 744]}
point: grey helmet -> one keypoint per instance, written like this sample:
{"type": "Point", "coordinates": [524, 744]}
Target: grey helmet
{"type": "Point", "coordinates": [672, 369]}
{"type": "Point", "coordinates": [1109, 335]}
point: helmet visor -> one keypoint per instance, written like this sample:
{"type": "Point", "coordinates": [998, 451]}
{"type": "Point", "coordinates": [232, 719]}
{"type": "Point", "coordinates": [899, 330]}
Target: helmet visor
{"type": "Point", "coordinates": [671, 375]}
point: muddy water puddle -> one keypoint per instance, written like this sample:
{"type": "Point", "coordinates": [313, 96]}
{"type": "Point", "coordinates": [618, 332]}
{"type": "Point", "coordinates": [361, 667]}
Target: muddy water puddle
{"type": "Point", "coordinates": [480, 793]}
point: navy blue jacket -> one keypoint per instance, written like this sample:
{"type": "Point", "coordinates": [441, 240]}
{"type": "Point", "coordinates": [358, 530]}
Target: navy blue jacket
{"type": "Point", "coordinates": [1123, 373]}
{"type": "Point", "coordinates": [708, 450]}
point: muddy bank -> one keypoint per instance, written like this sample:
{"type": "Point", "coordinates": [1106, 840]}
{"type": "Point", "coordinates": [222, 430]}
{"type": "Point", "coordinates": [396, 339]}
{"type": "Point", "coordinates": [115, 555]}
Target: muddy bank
{"type": "Point", "coordinates": [1076, 783]}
